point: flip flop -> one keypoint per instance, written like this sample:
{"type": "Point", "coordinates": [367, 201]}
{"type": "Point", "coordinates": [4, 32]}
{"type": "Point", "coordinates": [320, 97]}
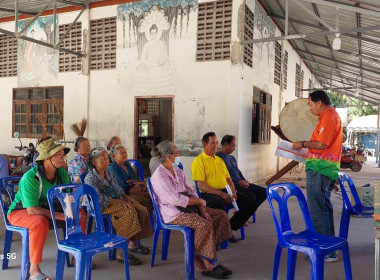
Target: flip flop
{"type": "Point", "coordinates": [39, 276]}
{"type": "Point", "coordinates": [225, 269]}
{"type": "Point", "coordinates": [140, 249]}
{"type": "Point", "coordinates": [132, 260]}
{"type": "Point", "coordinates": [217, 273]}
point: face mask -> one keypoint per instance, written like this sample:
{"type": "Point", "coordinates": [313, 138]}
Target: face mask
{"type": "Point", "coordinates": [177, 161]}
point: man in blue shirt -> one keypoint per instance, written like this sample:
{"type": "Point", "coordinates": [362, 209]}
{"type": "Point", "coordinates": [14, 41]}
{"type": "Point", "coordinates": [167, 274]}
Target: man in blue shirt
{"type": "Point", "coordinates": [4, 169]}
{"type": "Point", "coordinates": [255, 193]}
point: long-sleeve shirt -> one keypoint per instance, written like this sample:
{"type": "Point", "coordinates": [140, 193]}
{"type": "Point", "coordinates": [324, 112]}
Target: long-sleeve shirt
{"type": "Point", "coordinates": [167, 190]}
{"type": "Point", "coordinates": [122, 176]}
{"type": "Point", "coordinates": [232, 167]}
{"type": "Point", "coordinates": [107, 189]}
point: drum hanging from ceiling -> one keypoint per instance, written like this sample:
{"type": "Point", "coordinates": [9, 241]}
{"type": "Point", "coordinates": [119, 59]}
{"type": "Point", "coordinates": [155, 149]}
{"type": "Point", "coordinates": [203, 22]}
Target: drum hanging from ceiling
{"type": "Point", "coordinates": [297, 123]}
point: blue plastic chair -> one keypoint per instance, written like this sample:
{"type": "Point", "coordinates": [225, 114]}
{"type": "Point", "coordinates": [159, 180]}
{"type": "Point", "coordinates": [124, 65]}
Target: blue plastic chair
{"type": "Point", "coordinates": [82, 246]}
{"type": "Point", "coordinates": [188, 236]}
{"type": "Point", "coordinates": [314, 245]}
{"type": "Point", "coordinates": [348, 210]}
{"type": "Point", "coordinates": [227, 209]}
{"type": "Point", "coordinates": [106, 220]}
{"type": "Point", "coordinates": [135, 162]}
{"type": "Point", "coordinates": [8, 189]}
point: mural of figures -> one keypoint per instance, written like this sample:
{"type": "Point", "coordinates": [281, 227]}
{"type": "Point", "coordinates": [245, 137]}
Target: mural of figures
{"type": "Point", "coordinates": [263, 53]}
{"type": "Point", "coordinates": [37, 65]}
{"type": "Point", "coordinates": [148, 27]}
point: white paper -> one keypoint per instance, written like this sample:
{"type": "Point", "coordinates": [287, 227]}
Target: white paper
{"type": "Point", "coordinates": [285, 149]}
{"type": "Point", "coordinates": [234, 204]}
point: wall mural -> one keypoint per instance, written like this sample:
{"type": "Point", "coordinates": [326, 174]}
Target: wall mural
{"type": "Point", "coordinates": [37, 65]}
{"type": "Point", "coordinates": [263, 53]}
{"type": "Point", "coordinates": [148, 27]}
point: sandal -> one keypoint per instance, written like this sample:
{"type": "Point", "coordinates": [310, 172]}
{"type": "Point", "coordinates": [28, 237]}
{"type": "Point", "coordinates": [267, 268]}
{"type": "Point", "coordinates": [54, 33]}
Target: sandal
{"type": "Point", "coordinates": [39, 276]}
{"type": "Point", "coordinates": [225, 269]}
{"type": "Point", "coordinates": [217, 272]}
{"type": "Point", "coordinates": [140, 249]}
{"type": "Point", "coordinates": [132, 260]}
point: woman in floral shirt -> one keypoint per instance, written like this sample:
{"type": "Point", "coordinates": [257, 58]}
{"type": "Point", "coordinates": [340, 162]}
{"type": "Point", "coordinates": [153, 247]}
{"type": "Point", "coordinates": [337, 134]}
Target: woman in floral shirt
{"type": "Point", "coordinates": [78, 165]}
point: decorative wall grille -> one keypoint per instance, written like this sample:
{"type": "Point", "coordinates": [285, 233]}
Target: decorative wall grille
{"type": "Point", "coordinates": [73, 41]}
{"type": "Point", "coordinates": [214, 30]}
{"type": "Point", "coordinates": [103, 43]}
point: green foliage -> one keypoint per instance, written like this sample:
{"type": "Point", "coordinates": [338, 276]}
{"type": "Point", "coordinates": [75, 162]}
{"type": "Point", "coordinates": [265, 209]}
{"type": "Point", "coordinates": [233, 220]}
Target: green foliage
{"type": "Point", "coordinates": [356, 107]}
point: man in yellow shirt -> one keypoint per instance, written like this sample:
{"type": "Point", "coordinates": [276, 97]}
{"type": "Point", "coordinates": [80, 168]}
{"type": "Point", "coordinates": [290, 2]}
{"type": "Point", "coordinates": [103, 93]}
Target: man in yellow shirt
{"type": "Point", "coordinates": [211, 175]}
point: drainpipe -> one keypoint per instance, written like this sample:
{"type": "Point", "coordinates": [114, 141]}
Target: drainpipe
{"type": "Point", "coordinates": [87, 61]}
{"type": "Point", "coordinates": [282, 74]}
{"type": "Point", "coordinates": [378, 137]}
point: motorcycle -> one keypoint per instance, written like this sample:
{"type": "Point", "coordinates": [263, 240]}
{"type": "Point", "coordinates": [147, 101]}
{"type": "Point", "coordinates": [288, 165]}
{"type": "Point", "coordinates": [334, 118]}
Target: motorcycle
{"type": "Point", "coordinates": [352, 159]}
{"type": "Point", "coordinates": [30, 151]}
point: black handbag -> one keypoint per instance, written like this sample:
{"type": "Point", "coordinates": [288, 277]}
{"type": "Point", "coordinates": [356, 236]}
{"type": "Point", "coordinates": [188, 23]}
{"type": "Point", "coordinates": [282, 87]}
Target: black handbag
{"type": "Point", "coordinates": [189, 208]}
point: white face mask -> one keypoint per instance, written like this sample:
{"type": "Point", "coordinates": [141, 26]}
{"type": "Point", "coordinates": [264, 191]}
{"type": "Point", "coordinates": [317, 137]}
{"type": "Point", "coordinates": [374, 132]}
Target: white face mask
{"type": "Point", "coordinates": [177, 161]}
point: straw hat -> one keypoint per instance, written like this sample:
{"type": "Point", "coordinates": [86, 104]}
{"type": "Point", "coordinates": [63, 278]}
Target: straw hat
{"type": "Point", "coordinates": [49, 148]}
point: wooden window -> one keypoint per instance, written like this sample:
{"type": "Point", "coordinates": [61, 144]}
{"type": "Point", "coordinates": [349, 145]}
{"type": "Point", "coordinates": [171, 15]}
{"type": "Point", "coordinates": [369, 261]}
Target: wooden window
{"type": "Point", "coordinates": [214, 30]}
{"type": "Point", "coordinates": [8, 56]}
{"type": "Point", "coordinates": [38, 112]}
{"type": "Point", "coordinates": [286, 70]}
{"type": "Point", "coordinates": [248, 35]}
{"type": "Point", "coordinates": [261, 117]}
{"type": "Point", "coordinates": [103, 43]}
{"type": "Point", "coordinates": [277, 64]}
{"type": "Point", "coordinates": [310, 85]}
{"type": "Point", "coordinates": [298, 78]}
{"type": "Point", "coordinates": [73, 41]}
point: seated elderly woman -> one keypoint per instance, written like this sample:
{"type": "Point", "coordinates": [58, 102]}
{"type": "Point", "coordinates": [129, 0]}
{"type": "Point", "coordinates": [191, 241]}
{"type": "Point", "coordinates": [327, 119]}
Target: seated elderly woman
{"type": "Point", "coordinates": [179, 204]}
{"type": "Point", "coordinates": [129, 218]}
{"type": "Point", "coordinates": [127, 177]}
{"type": "Point", "coordinates": [30, 210]}
{"type": "Point", "coordinates": [78, 164]}
{"type": "Point", "coordinates": [114, 140]}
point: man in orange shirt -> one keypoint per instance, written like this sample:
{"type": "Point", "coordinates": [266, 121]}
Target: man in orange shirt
{"type": "Point", "coordinates": [322, 163]}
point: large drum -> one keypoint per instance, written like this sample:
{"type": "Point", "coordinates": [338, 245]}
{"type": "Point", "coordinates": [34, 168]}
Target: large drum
{"type": "Point", "coordinates": [297, 123]}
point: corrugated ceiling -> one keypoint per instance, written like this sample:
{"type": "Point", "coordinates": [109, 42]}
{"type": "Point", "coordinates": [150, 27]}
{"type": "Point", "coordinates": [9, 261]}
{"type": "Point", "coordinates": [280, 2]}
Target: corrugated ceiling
{"type": "Point", "coordinates": [356, 66]}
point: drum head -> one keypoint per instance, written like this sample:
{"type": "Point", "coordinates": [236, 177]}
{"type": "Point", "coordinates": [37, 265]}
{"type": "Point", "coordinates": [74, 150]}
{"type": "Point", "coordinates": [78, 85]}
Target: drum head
{"type": "Point", "coordinates": [297, 123]}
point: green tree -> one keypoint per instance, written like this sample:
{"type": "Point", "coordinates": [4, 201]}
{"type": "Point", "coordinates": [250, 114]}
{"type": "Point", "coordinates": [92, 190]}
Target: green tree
{"type": "Point", "coordinates": [356, 107]}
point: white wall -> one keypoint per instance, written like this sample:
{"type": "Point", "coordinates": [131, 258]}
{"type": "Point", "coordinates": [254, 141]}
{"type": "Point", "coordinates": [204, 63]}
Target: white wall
{"type": "Point", "coordinates": [208, 96]}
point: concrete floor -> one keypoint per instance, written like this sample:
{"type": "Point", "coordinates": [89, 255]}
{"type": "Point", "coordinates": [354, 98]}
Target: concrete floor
{"type": "Point", "coordinates": [251, 258]}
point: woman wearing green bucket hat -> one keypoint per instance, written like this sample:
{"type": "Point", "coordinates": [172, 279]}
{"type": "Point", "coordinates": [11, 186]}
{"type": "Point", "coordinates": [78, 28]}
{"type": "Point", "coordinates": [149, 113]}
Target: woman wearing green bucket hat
{"type": "Point", "coordinates": [29, 209]}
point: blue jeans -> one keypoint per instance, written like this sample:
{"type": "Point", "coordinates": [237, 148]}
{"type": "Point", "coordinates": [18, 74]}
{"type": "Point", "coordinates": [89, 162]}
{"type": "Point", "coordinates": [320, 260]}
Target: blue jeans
{"type": "Point", "coordinates": [318, 188]}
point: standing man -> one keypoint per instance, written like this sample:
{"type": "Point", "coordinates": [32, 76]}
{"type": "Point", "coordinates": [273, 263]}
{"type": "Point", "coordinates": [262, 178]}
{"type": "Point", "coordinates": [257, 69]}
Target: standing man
{"type": "Point", "coordinates": [322, 163]}
{"type": "Point", "coordinates": [211, 175]}
{"type": "Point", "coordinates": [256, 194]}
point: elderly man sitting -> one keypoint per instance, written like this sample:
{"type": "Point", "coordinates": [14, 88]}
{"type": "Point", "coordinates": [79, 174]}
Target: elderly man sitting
{"type": "Point", "coordinates": [212, 176]}
{"type": "Point", "coordinates": [253, 192]}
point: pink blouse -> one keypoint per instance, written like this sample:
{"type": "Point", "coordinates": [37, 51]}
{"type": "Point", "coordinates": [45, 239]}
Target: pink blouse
{"type": "Point", "coordinates": [167, 190]}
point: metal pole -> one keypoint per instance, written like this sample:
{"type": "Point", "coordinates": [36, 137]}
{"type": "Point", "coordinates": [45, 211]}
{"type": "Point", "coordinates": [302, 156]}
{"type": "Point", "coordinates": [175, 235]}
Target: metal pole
{"type": "Point", "coordinates": [378, 138]}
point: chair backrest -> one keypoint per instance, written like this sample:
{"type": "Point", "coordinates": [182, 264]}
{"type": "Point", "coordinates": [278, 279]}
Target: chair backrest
{"type": "Point", "coordinates": [8, 189]}
{"type": "Point", "coordinates": [197, 189]}
{"type": "Point", "coordinates": [135, 162]}
{"type": "Point", "coordinates": [342, 178]}
{"type": "Point", "coordinates": [281, 193]}
{"type": "Point", "coordinates": [82, 176]}
{"type": "Point", "coordinates": [155, 206]}
{"type": "Point", "coordinates": [69, 196]}
{"type": "Point", "coordinates": [180, 166]}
